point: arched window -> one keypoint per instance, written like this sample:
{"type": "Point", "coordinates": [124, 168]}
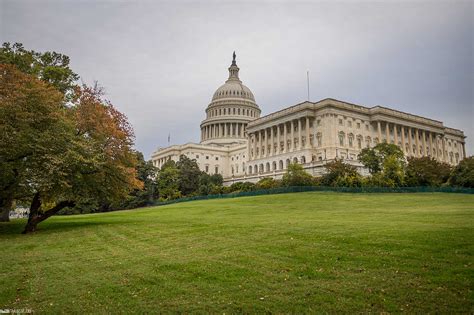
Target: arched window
{"type": "Point", "coordinates": [319, 139]}
{"type": "Point", "coordinates": [281, 165]}
{"type": "Point", "coordinates": [359, 141]}
{"type": "Point", "coordinates": [303, 159]}
{"type": "Point", "coordinates": [342, 137]}
{"type": "Point", "coordinates": [295, 160]}
{"type": "Point", "coordinates": [351, 140]}
{"type": "Point", "coordinates": [274, 166]}
{"type": "Point", "coordinates": [267, 167]}
{"type": "Point", "coordinates": [288, 162]}
{"type": "Point", "coordinates": [250, 169]}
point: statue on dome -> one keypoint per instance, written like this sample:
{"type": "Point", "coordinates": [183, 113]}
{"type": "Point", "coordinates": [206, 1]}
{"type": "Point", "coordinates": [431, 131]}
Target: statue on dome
{"type": "Point", "coordinates": [233, 57]}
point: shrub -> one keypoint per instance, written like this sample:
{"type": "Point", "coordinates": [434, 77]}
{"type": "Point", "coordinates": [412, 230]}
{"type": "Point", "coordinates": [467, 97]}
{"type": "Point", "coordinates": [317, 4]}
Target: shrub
{"type": "Point", "coordinates": [463, 174]}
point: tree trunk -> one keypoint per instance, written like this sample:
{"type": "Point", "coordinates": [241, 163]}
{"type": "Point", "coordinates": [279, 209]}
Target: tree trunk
{"type": "Point", "coordinates": [6, 205]}
{"type": "Point", "coordinates": [36, 216]}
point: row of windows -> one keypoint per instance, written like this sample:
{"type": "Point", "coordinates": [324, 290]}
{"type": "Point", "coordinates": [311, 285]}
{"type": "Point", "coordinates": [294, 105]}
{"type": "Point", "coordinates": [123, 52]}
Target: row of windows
{"type": "Point", "coordinates": [231, 93]}
{"type": "Point", "coordinates": [232, 111]}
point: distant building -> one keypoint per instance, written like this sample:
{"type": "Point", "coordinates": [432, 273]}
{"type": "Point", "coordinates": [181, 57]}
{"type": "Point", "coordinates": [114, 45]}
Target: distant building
{"type": "Point", "coordinates": [242, 146]}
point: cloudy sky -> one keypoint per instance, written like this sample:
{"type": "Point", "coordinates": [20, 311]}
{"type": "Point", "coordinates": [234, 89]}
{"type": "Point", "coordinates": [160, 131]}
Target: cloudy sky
{"type": "Point", "coordinates": [161, 61]}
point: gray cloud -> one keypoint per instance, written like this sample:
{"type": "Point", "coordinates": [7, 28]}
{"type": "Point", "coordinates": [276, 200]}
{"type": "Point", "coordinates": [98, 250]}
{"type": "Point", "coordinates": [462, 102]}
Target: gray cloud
{"type": "Point", "coordinates": [160, 62]}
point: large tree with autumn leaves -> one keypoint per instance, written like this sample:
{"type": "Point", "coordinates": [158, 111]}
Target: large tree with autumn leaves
{"type": "Point", "coordinates": [57, 150]}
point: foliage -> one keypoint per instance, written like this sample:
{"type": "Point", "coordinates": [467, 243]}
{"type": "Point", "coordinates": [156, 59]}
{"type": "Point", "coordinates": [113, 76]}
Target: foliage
{"type": "Point", "coordinates": [50, 67]}
{"type": "Point", "coordinates": [267, 183]}
{"type": "Point", "coordinates": [242, 187]}
{"type": "Point", "coordinates": [373, 158]}
{"type": "Point", "coordinates": [53, 155]}
{"type": "Point", "coordinates": [426, 171]}
{"type": "Point", "coordinates": [188, 179]}
{"type": "Point", "coordinates": [146, 173]}
{"type": "Point", "coordinates": [168, 181]}
{"type": "Point", "coordinates": [463, 174]}
{"type": "Point", "coordinates": [209, 184]}
{"type": "Point", "coordinates": [340, 174]}
{"type": "Point", "coordinates": [296, 176]}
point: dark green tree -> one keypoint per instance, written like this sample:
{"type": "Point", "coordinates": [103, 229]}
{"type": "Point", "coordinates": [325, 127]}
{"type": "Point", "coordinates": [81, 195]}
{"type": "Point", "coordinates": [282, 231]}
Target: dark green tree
{"type": "Point", "coordinates": [188, 182]}
{"type": "Point", "coordinates": [168, 181]}
{"type": "Point", "coordinates": [340, 174]}
{"type": "Point", "coordinates": [50, 67]}
{"type": "Point", "coordinates": [463, 174]}
{"type": "Point", "coordinates": [426, 171]}
{"type": "Point", "coordinates": [146, 173]}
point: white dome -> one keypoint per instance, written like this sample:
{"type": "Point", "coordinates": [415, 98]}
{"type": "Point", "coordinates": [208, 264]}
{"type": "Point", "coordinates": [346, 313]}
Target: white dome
{"type": "Point", "coordinates": [233, 89]}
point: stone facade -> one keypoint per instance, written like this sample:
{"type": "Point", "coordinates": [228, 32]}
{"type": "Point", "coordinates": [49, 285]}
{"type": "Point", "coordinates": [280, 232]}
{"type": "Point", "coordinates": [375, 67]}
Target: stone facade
{"type": "Point", "coordinates": [242, 146]}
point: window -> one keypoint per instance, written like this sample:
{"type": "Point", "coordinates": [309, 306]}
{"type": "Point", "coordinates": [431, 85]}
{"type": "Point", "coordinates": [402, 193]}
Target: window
{"type": "Point", "coordinates": [358, 125]}
{"type": "Point", "coordinates": [349, 123]}
{"type": "Point", "coordinates": [207, 168]}
{"type": "Point", "coordinates": [341, 138]}
{"type": "Point", "coordinates": [217, 158]}
{"type": "Point", "coordinates": [319, 139]}
{"type": "Point", "coordinates": [207, 157]}
{"type": "Point", "coordinates": [367, 127]}
{"type": "Point", "coordinates": [340, 122]}
{"type": "Point", "coordinates": [351, 140]}
{"type": "Point", "coordinates": [217, 170]}
{"type": "Point", "coordinates": [318, 122]}
{"type": "Point", "coordinates": [197, 156]}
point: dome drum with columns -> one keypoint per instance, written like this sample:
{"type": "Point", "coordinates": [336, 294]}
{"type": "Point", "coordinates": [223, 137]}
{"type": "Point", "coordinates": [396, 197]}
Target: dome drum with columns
{"type": "Point", "coordinates": [231, 109]}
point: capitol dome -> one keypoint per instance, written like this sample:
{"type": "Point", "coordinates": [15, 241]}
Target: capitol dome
{"type": "Point", "coordinates": [232, 107]}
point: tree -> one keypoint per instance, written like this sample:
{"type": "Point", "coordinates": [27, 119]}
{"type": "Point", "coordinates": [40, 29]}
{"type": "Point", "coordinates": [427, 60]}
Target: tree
{"type": "Point", "coordinates": [463, 174]}
{"type": "Point", "coordinates": [50, 67]}
{"type": "Point", "coordinates": [267, 183]}
{"type": "Point", "coordinates": [209, 184]}
{"type": "Point", "coordinates": [340, 174]}
{"type": "Point", "coordinates": [94, 160]}
{"type": "Point", "coordinates": [426, 171]}
{"type": "Point", "coordinates": [296, 176]}
{"type": "Point", "coordinates": [33, 126]}
{"type": "Point", "coordinates": [188, 181]}
{"type": "Point", "coordinates": [168, 181]}
{"type": "Point", "coordinates": [146, 173]}
{"type": "Point", "coordinates": [373, 158]}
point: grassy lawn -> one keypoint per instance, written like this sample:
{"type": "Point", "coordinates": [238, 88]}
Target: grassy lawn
{"type": "Point", "coordinates": [290, 253]}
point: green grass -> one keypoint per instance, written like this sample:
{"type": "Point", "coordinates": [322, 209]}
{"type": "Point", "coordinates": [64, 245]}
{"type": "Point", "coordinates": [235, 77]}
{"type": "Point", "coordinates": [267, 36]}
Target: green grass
{"type": "Point", "coordinates": [289, 253]}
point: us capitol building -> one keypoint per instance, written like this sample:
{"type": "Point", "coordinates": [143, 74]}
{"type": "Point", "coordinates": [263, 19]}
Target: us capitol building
{"type": "Point", "coordinates": [242, 146]}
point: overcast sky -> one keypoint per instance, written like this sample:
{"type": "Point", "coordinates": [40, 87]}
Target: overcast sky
{"type": "Point", "coordinates": [160, 62]}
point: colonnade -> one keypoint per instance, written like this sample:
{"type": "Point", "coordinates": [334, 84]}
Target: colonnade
{"type": "Point", "coordinates": [223, 130]}
{"type": "Point", "coordinates": [420, 142]}
{"type": "Point", "coordinates": [281, 138]}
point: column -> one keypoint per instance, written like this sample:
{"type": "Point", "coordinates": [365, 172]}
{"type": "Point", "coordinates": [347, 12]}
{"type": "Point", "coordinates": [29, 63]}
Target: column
{"type": "Point", "coordinates": [254, 145]}
{"type": "Point", "coordinates": [423, 142]}
{"type": "Point", "coordinates": [249, 138]}
{"type": "Point", "coordinates": [307, 144]}
{"type": "Point", "coordinates": [278, 140]}
{"type": "Point", "coordinates": [292, 133]}
{"type": "Point", "coordinates": [387, 132]}
{"type": "Point", "coordinates": [266, 142]}
{"type": "Point", "coordinates": [272, 141]}
{"type": "Point", "coordinates": [410, 144]}
{"type": "Point", "coordinates": [445, 156]}
{"type": "Point", "coordinates": [285, 137]}
{"type": "Point", "coordinates": [403, 139]}
{"type": "Point", "coordinates": [299, 133]}
{"type": "Point", "coordinates": [395, 134]}
{"type": "Point", "coordinates": [431, 143]}
{"type": "Point", "coordinates": [417, 143]}
{"type": "Point", "coordinates": [463, 150]}
{"type": "Point", "coordinates": [379, 131]}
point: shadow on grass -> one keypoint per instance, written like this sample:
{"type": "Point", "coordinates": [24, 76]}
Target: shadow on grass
{"type": "Point", "coordinates": [15, 227]}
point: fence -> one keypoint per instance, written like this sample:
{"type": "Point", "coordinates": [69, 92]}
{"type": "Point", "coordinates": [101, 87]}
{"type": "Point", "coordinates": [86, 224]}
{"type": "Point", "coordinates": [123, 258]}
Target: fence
{"type": "Point", "coordinates": [293, 189]}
